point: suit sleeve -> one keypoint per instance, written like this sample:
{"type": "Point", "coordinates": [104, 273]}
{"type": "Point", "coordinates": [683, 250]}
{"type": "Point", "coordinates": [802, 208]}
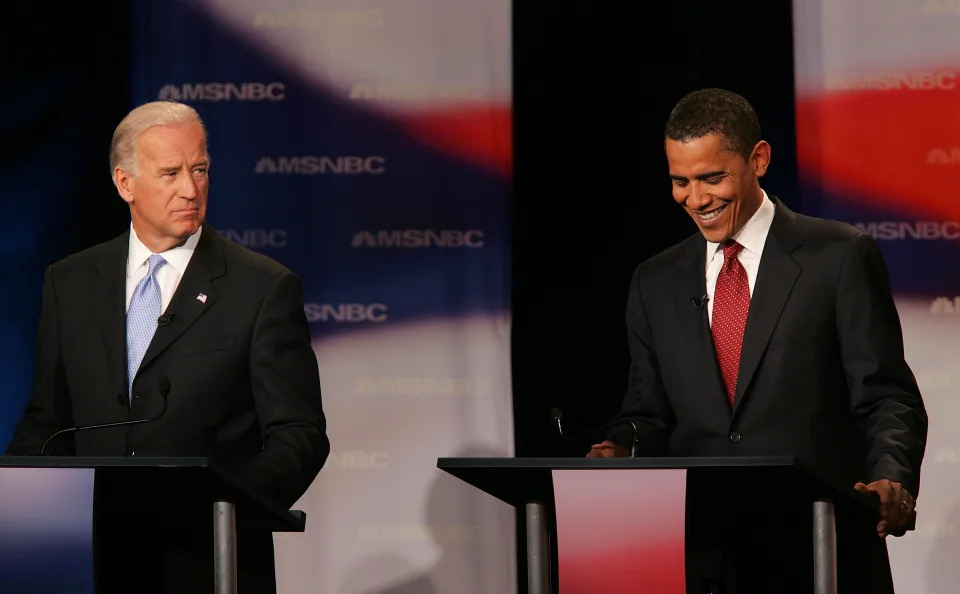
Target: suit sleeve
{"type": "Point", "coordinates": [285, 382]}
{"type": "Point", "coordinates": [884, 397]}
{"type": "Point", "coordinates": [645, 402]}
{"type": "Point", "coordinates": [48, 409]}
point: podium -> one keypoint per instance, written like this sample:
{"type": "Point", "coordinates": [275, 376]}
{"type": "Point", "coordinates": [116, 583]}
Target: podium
{"type": "Point", "coordinates": [631, 524]}
{"type": "Point", "coordinates": [165, 484]}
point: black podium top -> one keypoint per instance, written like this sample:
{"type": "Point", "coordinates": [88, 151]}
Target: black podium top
{"type": "Point", "coordinates": [521, 480]}
{"type": "Point", "coordinates": [168, 478]}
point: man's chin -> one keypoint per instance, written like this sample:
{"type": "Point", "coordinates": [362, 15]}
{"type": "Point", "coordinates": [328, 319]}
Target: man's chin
{"type": "Point", "coordinates": [188, 228]}
{"type": "Point", "coordinates": [714, 235]}
{"type": "Point", "coordinates": [192, 222]}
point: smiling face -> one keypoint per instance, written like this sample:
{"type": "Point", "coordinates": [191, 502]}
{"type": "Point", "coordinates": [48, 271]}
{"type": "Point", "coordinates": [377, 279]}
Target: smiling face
{"type": "Point", "coordinates": [718, 188]}
{"type": "Point", "coordinates": [168, 196]}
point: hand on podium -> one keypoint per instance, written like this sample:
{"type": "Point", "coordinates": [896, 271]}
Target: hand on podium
{"type": "Point", "coordinates": [607, 449]}
{"type": "Point", "coordinates": [897, 513]}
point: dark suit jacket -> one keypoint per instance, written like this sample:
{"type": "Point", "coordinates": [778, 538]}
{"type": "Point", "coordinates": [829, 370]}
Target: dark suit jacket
{"type": "Point", "coordinates": [822, 372]}
{"type": "Point", "coordinates": [244, 382]}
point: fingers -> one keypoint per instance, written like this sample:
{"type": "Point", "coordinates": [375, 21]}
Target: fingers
{"type": "Point", "coordinates": [896, 506]}
{"type": "Point", "coordinates": [606, 449]}
{"type": "Point", "coordinates": [901, 513]}
{"type": "Point", "coordinates": [595, 451]}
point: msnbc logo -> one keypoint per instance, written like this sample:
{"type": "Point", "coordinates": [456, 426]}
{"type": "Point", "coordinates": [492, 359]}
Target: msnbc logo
{"type": "Point", "coordinates": [945, 306]}
{"type": "Point", "coordinates": [413, 92]}
{"type": "Point", "coordinates": [418, 238]}
{"type": "Point", "coordinates": [215, 91]}
{"type": "Point", "coordinates": [346, 312]}
{"type": "Point", "coordinates": [921, 230]}
{"type": "Point", "coordinates": [944, 156]}
{"type": "Point", "coordinates": [319, 17]}
{"type": "Point", "coordinates": [937, 7]}
{"type": "Point", "coordinates": [320, 165]}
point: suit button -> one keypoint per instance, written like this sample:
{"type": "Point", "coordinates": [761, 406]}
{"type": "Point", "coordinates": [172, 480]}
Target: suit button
{"type": "Point", "coordinates": [735, 437]}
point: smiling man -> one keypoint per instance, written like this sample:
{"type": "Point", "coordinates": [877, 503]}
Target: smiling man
{"type": "Point", "coordinates": [170, 306]}
{"type": "Point", "coordinates": [769, 333]}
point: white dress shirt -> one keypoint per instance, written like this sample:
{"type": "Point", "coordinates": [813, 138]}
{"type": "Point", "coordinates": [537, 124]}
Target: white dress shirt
{"type": "Point", "coordinates": [752, 236]}
{"type": "Point", "coordinates": [168, 275]}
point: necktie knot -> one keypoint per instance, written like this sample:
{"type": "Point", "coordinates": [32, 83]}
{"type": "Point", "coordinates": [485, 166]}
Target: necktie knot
{"type": "Point", "coordinates": [154, 262]}
{"type": "Point", "coordinates": [731, 249]}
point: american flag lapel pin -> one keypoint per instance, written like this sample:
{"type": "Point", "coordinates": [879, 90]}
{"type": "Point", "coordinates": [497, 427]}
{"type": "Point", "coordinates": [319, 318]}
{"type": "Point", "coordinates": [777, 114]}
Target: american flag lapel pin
{"type": "Point", "coordinates": [202, 298]}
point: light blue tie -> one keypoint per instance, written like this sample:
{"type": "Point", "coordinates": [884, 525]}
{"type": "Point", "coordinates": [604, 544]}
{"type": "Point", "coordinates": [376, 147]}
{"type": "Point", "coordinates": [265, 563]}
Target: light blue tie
{"type": "Point", "coordinates": [142, 318]}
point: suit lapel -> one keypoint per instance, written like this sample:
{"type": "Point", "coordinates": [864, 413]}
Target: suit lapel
{"type": "Point", "coordinates": [194, 295]}
{"type": "Point", "coordinates": [108, 301]}
{"type": "Point", "coordinates": [694, 322]}
{"type": "Point", "coordinates": [775, 279]}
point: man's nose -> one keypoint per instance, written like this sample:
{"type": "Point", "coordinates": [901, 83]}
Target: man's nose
{"type": "Point", "coordinates": [188, 189]}
{"type": "Point", "coordinates": [697, 198]}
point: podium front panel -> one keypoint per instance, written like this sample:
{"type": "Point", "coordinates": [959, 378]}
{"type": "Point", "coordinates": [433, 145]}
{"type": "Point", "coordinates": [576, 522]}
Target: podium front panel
{"type": "Point", "coordinates": [620, 531]}
{"type": "Point", "coordinates": [46, 532]}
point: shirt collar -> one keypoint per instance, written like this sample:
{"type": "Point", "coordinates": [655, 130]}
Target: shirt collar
{"type": "Point", "coordinates": [177, 257]}
{"type": "Point", "coordinates": [753, 234]}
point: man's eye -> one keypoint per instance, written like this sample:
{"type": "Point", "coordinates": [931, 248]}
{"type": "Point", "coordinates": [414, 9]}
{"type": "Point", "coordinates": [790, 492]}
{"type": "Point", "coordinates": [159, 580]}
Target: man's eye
{"type": "Point", "coordinates": [680, 182]}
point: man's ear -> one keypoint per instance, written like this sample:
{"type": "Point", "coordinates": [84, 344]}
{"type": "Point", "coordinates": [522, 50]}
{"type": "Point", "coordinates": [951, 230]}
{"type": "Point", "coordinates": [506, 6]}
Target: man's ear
{"type": "Point", "coordinates": [124, 183]}
{"type": "Point", "coordinates": [761, 158]}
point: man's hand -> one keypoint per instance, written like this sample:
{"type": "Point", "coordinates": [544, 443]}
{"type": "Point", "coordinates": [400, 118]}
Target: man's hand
{"type": "Point", "coordinates": [896, 506]}
{"type": "Point", "coordinates": [607, 449]}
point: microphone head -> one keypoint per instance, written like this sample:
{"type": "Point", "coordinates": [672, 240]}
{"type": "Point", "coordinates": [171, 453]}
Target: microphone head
{"type": "Point", "coordinates": [164, 383]}
{"type": "Point", "coordinates": [556, 414]}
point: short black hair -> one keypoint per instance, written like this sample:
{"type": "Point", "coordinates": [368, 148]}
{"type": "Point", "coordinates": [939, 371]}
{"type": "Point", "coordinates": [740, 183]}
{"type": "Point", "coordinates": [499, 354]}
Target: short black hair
{"type": "Point", "coordinates": [715, 111]}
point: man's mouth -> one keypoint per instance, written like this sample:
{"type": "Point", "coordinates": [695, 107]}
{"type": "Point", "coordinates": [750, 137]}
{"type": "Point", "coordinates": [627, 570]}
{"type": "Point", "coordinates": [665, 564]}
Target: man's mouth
{"type": "Point", "coordinates": [711, 214]}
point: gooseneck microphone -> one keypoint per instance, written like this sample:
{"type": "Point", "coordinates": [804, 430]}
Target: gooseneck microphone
{"type": "Point", "coordinates": [163, 382]}
{"type": "Point", "coordinates": [635, 446]}
{"type": "Point", "coordinates": [557, 416]}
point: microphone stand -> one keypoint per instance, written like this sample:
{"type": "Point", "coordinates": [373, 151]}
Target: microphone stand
{"type": "Point", "coordinates": [164, 383]}
{"type": "Point", "coordinates": [557, 416]}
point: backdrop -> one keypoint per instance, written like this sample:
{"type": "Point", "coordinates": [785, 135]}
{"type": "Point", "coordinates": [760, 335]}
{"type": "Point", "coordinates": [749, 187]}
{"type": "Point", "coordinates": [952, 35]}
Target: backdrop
{"type": "Point", "coordinates": [592, 200]}
{"type": "Point", "coordinates": [878, 144]}
{"type": "Point", "coordinates": [367, 146]}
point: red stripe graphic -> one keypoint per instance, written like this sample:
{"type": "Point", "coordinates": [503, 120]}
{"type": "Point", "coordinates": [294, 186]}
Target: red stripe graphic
{"type": "Point", "coordinates": [620, 531]}
{"type": "Point", "coordinates": [896, 149]}
{"type": "Point", "coordinates": [482, 135]}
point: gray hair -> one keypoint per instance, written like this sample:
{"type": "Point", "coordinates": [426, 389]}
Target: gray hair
{"type": "Point", "coordinates": [123, 147]}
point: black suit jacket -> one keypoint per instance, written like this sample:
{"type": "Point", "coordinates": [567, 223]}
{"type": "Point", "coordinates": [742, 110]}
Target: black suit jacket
{"type": "Point", "coordinates": [244, 382]}
{"type": "Point", "coordinates": [822, 373]}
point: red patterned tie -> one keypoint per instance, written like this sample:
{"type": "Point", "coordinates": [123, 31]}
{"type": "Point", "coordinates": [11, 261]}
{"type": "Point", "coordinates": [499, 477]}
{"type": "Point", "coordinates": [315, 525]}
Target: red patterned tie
{"type": "Point", "coordinates": [730, 307]}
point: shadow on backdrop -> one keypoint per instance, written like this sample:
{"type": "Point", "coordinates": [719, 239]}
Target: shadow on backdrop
{"type": "Point", "coordinates": [472, 552]}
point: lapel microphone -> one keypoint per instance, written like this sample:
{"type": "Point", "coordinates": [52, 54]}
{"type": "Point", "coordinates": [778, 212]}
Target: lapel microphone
{"type": "Point", "coordinates": [163, 382]}
{"type": "Point", "coordinates": [699, 302]}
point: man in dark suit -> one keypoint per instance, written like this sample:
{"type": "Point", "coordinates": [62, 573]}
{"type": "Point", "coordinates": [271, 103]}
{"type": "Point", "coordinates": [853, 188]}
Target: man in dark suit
{"type": "Point", "coordinates": [770, 333]}
{"type": "Point", "coordinates": [171, 306]}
